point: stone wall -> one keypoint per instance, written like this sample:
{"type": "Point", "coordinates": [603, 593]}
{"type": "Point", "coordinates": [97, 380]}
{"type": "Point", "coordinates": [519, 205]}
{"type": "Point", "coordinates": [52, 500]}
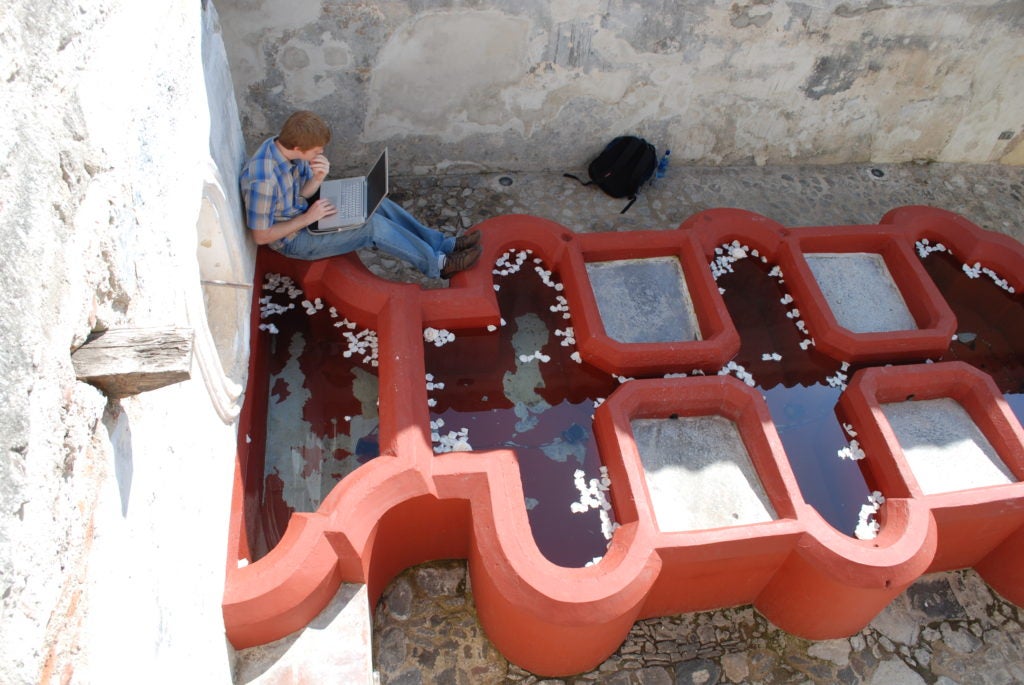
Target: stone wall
{"type": "Point", "coordinates": [532, 85]}
{"type": "Point", "coordinates": [113, 513]}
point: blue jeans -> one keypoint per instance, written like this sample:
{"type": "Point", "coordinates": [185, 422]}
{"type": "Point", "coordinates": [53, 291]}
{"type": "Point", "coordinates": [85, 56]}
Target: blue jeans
{"type": "Point", "coordinates": [391, 229]}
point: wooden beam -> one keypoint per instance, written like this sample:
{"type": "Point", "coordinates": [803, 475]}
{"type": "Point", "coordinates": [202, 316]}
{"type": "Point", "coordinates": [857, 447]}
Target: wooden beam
{"type": "Point", "coordinates": [127, 361]}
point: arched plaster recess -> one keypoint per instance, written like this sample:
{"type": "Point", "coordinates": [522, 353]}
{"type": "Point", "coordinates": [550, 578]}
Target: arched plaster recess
{"type": "Point", "coordinates": [766, 119]}
{"type": "Point", "coordinates": [568, 72]}
{"type": "Point", "coordinates": [688, 86]}
{"type": "Point", "coordinates": [443, 74]}
{"type": "Point", "coordinates": [255, 23]}
{"type": "Point", "coordinates": [899, 143]}
{"type": "Point", "coordinates": [221, 317]}
{"type": "Point", "coordinates": [308, 69]}
{"type": "Point", "coordinates": [252, 29]}
{"type": "Point", "coordinates": [588, 62]}
{"type": "Point", "coordinates": [991, 109]}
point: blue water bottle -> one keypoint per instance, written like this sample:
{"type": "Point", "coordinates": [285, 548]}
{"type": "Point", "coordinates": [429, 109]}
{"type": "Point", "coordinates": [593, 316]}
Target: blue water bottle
{"type": "Point", "coordinates": [663, 165]}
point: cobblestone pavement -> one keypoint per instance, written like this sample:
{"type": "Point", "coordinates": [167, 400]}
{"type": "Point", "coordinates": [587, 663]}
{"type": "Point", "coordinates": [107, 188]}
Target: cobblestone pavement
{"type": "Point", "coordinates": [946, 628]}
{"type": "Point", "coordinates": [990, 196]}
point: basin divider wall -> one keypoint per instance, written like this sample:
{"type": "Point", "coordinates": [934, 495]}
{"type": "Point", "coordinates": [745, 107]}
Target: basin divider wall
{"type": "Point", "coordinates": [527, 604]}
{"type": "Point", "coordinates": [970, 243]}
{"type": "Point", "coordinates": [719, 342]}
{"type": "Point", "coordinates": [970, 523]}
{"type": "Point", "coordinates": [919, 293]}
{"type": "Point", "coordinates": [935, 321]}
{"type": "Point", "coordinates": [1003, 568]}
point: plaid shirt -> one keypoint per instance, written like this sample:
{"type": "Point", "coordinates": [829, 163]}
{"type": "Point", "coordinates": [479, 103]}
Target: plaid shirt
{"type": "Point", "coordinates": [270, 187]}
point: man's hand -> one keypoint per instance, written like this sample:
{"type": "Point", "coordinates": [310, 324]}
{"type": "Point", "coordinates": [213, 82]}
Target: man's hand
{"type": "Point", "coordinates": [320, 166]}
{"type": "Point", "coordinates": [282, 229]}
{"type": "Point", "coordinates": [318, 210]}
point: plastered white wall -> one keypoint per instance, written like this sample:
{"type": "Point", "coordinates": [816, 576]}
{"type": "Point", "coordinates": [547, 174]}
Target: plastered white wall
{"type": "Point", "coordinates": [115, 116]}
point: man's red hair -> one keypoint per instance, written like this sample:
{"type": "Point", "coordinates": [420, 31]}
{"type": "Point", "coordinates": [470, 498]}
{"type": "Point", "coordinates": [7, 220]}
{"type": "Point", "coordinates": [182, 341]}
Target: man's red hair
{"type": "Point", "coordinates": [304, 130]}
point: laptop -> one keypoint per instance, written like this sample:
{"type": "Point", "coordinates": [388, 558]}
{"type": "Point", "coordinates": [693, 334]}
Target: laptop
{"type": "Point", "coordinates": [356, 198]}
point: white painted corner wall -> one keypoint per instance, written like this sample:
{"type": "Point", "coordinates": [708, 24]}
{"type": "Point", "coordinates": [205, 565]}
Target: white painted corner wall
{"type": "Point", "coordinates": [120, 207]}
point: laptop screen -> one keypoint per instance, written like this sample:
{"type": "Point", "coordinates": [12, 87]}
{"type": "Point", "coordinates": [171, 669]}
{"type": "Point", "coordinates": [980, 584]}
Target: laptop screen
{"type": "Point", "coordinates": [377, 183]}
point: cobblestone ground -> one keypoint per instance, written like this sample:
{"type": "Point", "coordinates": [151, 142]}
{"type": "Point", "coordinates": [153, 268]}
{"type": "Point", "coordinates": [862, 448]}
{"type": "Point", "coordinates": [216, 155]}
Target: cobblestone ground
{"type": "Point", "coordinates": [990, 196]}
{"type": "Point", "coordinates": [946, 628]}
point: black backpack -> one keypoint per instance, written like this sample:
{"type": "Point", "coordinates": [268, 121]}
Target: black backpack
{"type": "Point", "coordinates": [623, 166]}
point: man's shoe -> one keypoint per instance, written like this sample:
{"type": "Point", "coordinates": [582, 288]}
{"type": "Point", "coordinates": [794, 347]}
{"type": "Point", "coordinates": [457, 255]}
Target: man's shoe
{"type": "Point", "coordinates": [466, 241]}
{"type": "Point", "coordinates": [460, 261]}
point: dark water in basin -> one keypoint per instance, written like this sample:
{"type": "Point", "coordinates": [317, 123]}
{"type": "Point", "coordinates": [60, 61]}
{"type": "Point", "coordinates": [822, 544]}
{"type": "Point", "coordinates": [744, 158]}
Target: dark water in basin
{"type": "Point", "coordinates": [801, 401]}
{"type": "Point", "coordinates": [542, 408]}
{"type": "Point", "coordinates": [990, 325]}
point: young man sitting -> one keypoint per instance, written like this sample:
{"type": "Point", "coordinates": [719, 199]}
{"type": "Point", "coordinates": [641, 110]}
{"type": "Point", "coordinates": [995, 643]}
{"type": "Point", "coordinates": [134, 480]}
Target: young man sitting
{"type": "Point", "coordinates": [287, 170]}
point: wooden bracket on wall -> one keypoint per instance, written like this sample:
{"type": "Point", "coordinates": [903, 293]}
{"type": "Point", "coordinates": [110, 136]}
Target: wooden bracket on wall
{"type": "Point", "coordinates": [127, 361]}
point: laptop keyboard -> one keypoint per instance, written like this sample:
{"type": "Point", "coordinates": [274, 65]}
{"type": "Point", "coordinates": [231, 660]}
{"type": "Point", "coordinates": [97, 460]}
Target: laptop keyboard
{"type": "Point", "coordinates": [350, 201]}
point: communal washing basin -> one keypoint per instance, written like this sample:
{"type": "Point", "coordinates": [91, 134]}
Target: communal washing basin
{"type": "Point", "coordinates": [616, 426]}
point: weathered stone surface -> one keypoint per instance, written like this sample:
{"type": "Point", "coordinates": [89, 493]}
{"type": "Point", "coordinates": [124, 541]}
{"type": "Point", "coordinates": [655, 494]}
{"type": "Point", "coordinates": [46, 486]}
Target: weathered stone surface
{"type": "Point", "coordinates": [836, 651]}
{"type": "Point", "coordinates": [735, 668]}
{"type": "Point", "coordinates": [896, 622]}
{"type": "Point", "coordinates": [935, 599]}
{"type": "Point", "coordinates": [398, 599]}
{"type": "Point", "coordinates": [895, 672]}
{"type": "Point", "coordinates": [697, 672]}
{"type": "Point", "coordinates": [440, 640]}
{"type": "Point", "coordinates": [440, 581]}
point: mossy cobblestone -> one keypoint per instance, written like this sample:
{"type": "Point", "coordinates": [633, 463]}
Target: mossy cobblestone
{"type": "Point", "coordinates": [425, 636]}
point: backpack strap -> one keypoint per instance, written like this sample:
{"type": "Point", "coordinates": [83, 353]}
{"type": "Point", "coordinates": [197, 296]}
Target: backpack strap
{"type": "Point", "coordinates": [632, 198]}
{"type": "Point", "coordinates": [577, 178]}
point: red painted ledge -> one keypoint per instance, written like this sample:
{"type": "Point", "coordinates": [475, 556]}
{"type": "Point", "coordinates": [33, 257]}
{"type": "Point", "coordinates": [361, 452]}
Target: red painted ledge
{"type": "Point", "coordinates": [409, 506]}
